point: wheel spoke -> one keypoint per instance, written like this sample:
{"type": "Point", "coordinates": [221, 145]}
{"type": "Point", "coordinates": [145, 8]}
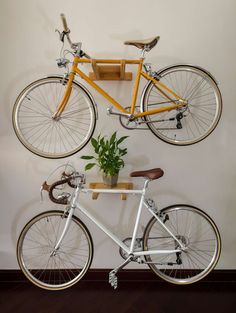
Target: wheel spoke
{"type": "Point", "coordinates": [198, 234]}
{"type": "Point", "coordinates": [200, 116]}
{"type": "Point", "coordinates": [45, 135]}
{"type": "Point", "coordinates": [51, 269]}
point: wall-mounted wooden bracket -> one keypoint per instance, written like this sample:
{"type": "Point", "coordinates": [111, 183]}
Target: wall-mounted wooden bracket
{"type": "Point", "coordinates": [96, 185]}
{"type": "Point", "coordinates": [109, 72]}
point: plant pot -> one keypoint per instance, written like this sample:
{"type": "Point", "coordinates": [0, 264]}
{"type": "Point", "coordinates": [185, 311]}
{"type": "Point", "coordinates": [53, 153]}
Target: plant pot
{"type": "Point", "coordinates": [110, 181]}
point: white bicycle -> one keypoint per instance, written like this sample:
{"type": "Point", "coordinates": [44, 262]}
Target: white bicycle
{"type": "Point", "coordinates": [180, 243]}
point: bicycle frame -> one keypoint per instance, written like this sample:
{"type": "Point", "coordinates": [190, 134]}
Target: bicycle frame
{"type": "Point", "coordinates": [129, 250]}
{"type": "Point", "coordinates": [167, 93]}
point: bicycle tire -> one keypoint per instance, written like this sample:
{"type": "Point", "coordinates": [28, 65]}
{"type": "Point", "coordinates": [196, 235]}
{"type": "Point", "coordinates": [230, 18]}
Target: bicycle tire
{"type": "Point", "coordinates": [199, 234]}
{"type": "Point", "coordinates": [53, 138]}
{"type": "Point", "coordinates": [199, 118]}
{"type": "Point", "coordinates": [68, 264]}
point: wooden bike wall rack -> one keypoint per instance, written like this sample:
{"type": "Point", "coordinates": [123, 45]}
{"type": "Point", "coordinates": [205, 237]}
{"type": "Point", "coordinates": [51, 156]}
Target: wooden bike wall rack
{"type": "Point", "coordinates": [109, 72]}
{"type": "Point", "coordinates": [98, 185]}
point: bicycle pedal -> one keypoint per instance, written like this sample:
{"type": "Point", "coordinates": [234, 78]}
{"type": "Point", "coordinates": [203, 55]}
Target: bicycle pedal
{"type": "Point", "coordinates": [113, 280]}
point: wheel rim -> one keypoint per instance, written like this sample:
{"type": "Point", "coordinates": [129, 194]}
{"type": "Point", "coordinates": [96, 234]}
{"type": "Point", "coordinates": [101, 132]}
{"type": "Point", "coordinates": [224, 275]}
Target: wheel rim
{"type": "Point", "coordinates": [53, 138]}
{"type": "Point", "coordinates": [195, 230]}
{"type": "Point", "coordinates": [201, 115]}
{"type": "Point", "coordinates": [50, 269]}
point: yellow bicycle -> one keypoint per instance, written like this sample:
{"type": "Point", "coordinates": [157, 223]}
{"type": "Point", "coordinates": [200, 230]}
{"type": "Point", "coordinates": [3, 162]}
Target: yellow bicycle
{"type": "Point", "coordinates": [55, 117]}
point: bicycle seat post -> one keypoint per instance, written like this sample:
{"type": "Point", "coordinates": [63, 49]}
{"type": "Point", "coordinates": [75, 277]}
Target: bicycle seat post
{"type": "Point", "coordinates": [146, 182]}
{"type": "Point", "coordinates": [143, 51]}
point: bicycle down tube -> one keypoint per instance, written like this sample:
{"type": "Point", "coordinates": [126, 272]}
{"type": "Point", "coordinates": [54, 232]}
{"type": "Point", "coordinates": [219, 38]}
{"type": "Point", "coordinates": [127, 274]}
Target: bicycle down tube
{"type": "Point", "coordinates": [178, 101]}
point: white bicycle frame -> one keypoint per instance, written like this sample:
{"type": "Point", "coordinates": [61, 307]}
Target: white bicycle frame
{"type": "Point", "coordinates": [74, 204]}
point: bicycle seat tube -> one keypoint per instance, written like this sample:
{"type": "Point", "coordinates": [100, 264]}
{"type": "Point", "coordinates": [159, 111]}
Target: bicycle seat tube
{"type": "Point", "coordinates": [138, 216]}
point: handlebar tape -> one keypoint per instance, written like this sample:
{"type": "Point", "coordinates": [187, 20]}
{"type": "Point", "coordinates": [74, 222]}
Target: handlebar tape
{"type": "Point", "coordinates": [53, 186]}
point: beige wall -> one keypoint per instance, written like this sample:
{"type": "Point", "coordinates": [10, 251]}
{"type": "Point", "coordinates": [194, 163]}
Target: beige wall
{"type": "Point", "coordinates": [192, 31]}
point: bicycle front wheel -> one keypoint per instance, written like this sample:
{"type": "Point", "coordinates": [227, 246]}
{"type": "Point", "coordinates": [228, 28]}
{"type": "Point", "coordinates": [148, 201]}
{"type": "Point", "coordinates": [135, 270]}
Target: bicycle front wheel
{"type": "Point", "coordinates": [199, 234]}
{"type": "Point", "coordinates": [189, 124]}
{"type": "Point", "coordinates": [49, 269]}
{"type": "Point", "coordinates": [45, 136]}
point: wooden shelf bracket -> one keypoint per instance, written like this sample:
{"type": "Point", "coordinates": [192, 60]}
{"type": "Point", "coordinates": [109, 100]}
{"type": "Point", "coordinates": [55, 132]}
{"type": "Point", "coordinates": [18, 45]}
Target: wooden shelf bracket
{"type": "Point", "coordinates": [109, 72]}
{"type": "Point", "coordinates": [97, 185]}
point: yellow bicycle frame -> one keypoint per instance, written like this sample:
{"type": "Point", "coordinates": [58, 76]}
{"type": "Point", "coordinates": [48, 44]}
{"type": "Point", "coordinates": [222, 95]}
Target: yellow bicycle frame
{"type": "Point", "coordinates": [177, 102]}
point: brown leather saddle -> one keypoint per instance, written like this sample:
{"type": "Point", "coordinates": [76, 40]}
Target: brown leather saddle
{"type": "Point", "coordinates": [146, 44]}
{"type": "Point", "coordinates": [152, 174]}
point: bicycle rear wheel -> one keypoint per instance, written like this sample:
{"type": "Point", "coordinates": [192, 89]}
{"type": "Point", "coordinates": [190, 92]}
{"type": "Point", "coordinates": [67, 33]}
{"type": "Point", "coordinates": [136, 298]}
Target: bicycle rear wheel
{"type": "Point", "coordinates": [53, 138]}
{"type": "Point", "coordinates": [196, 230]}
{"type": "Point", "coordinates": [189, 124]}
{"type": "Point", "coordinates": [44, 267]}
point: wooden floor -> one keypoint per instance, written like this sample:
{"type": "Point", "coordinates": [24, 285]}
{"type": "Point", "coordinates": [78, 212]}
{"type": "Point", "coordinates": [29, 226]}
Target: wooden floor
{"type": "Point", "coordinates": [130, 297]}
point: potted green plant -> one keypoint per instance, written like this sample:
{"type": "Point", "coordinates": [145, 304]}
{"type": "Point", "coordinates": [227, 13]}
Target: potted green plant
{"type": "Point", "coordinates": [108, 157]}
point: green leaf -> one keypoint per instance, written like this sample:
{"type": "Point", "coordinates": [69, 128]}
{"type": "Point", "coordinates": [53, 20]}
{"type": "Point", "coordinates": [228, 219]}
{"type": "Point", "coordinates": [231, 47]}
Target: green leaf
{"type": "Point", "coordinates": [107, 145]}
{"type": "Point", "coordinates": [94, 143]}
{"type": "Point", "coordinates": [102, 142]}
{"type": "Point", "coordinates": [113, 138]}
{"type": "Point", "coordinates": [87, 157]}
{"type": "Point", "coordinates": [123, 151]}
{"type": "Point", "coordinates": [96, 150]}
{"type": "Point", "coordinates": [89, 166]}
{"type": "Point", "coordinates": [121, 139]}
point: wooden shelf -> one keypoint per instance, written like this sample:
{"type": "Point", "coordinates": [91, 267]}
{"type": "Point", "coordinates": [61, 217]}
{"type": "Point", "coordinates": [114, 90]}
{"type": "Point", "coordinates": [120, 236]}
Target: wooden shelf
{"type": "Point", "coordinates": [97, 185]}
{"type": "Point", "coordinates": [109, 72]}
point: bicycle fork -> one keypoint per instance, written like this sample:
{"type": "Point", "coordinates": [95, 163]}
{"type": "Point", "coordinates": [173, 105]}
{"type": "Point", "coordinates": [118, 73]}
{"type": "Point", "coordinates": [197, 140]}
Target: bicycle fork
{"type": "Point", "coordinates": [56, 116]}
{"type": "Point", "coordinates": [71, 208]}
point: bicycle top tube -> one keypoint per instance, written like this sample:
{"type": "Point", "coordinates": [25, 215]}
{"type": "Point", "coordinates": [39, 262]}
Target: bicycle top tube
{"type": "Point", "coordinates": [113, 191]}
{"type": "Point", "coordinates": [77, 181]}
{"type": "Point", "coordinates": [149, 175]}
